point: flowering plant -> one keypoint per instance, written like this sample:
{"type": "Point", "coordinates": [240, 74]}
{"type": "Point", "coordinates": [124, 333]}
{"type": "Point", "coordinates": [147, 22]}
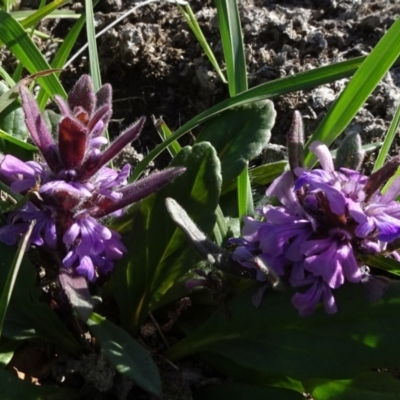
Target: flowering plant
{"type": "Point", "coordinates": [74, 187]}
{"type": "Point", "coordinates": [326, 218]}
{"type": "Point", "coordinates": [120, 278]}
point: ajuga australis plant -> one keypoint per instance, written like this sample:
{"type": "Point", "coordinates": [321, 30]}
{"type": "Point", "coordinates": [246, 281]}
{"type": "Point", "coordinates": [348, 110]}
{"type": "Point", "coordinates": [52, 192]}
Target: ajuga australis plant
{"type": "Point", "coordinates": [71, 189]}
{"type": "Point", "coordinates": [327, 217]}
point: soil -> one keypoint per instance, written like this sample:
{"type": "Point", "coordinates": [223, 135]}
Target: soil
{"type": "Point", "coordinates": [156, 66]}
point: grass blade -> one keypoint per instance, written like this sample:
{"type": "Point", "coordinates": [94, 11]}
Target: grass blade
{"type": "Point", "coordinates": [22, 15]}
{"type": "Point", "coordinates": [232, 44]}
{"type": "Point", "coordinates": [383, 153]}
{"type": "Point", "coordinates": [195, 27]}
{"type": "Point", "coordinates": [12, 275]}
{"type": "Point", "coordinates": [21, 45]}
{"type": "Point", "coordinates": [164, 132]}
{"type": "Point", "coordinates": [18, 142]}
{"type": "Point", "coordinates": [364, 81]}
{"type": "Point", "coordinates": [62, 54]}
{"type": "Point", "coordinates": [245, 198]}
{"type": "Point", "coordinates": [91, 37]}
{"type": "Point", "coordinates": [42, 13]}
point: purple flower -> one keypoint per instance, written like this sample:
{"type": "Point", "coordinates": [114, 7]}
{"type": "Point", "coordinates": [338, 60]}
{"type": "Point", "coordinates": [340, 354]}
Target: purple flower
{"type": "Point", "coordinates": [44, 231]}
{"type": "Point", "coordinates": [73, 188]}
{"type": "Point", "coordinates": [326, 218]}
{"type": "Point", "coordinates": [88, 240]}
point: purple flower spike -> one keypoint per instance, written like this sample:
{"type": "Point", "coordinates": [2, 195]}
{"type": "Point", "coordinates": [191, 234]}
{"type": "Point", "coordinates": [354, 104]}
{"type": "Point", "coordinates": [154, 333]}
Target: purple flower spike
{"type": "Point", "coordinates": [82, 95]}
{"type": "Point", "coordinates": [74, 187]}
{"type": "Point", "coordinates": [326, 218]}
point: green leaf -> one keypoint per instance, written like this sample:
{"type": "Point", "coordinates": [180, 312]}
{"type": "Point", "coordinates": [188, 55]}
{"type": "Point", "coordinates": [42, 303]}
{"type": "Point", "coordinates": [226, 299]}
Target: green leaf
{"type": "Point", "coordinates": [382, 262]}
{"type": "Point", "coordinates": [366, 386]}
{"type": "Point", "coordinates": [364, 81]}
{"type": "Point", "coordinates": [12, 126]}
{"type": "Point", "coordinates": [239, 135]}
{"type": "Point", "coordinates": [164, 132]}
{"type": "Point", "coordinates": [241, 391]}
{"type": "Point", "coordinates": [265, 174]}
{"type": "Point", "coordinates": [126, 355]}
{"type": "Point", "coordinates": [159, 253]}
{"type": "Point", "coordinates": [14, 388]}
{"type": "Point", "coordinates": [261, 175]}
{"type": "Point", "coordinates": [12, 119]}
{"type": "Point", "coordinates": [274, 340]}
{"type": "Point", "coordinates": [245, 195]}
{"type": "Point", "coordinates": [7, 348]}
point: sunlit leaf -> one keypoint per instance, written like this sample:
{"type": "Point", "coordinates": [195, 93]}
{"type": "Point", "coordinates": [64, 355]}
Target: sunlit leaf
{"type": "Point", "coordinates": [368, 385]}
{"type": "Point", "coordinates": [125, 354]}
{"type": "Point", "coordinates": [239, 135]}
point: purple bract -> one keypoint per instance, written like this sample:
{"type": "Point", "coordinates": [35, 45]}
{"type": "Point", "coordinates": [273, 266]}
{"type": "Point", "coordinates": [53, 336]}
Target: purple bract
{"type": "Point", "coordinates": [73, 188]}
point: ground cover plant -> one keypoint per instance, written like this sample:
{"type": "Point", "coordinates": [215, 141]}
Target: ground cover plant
{"type": "Point", "coordinates": [274, 281]}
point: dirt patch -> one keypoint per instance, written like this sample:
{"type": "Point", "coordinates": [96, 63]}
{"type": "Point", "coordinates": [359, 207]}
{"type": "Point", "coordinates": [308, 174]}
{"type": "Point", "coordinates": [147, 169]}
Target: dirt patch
{"type": "Point", "coordinates": [157, 67]}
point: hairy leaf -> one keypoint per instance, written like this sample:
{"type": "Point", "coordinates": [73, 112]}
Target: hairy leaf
{"type": "Point", "coordinates": [239, 135]}
{"type": "Point", "coordinates": [158, 251]}
{"type": "Point", "coordinates": [125, 354]}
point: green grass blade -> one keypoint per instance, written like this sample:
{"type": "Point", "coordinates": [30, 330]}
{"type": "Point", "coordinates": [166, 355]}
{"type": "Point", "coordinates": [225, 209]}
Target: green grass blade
{"type": "Point", "coordinates": [245, 198]}
{"type": "Point", "coordinates": [62, 55]}
{"type": "Point", "coordinates": [190, 18]}
{"type": "Point", "coordinates": [302, 81]}
{"type": "Point", "coordinates": [164, 132]}
{"type": "Point", "coordinates": [18, 142]}
{"type": "Point", "coordinates": [12, 275]}
{"type": "Point", "coordinates": [43, 13]}
{"type": "Point", "coordinates": [63, 14]}
{"type": "Point", "coordinates": [221, 228]}
{"type": "Point", "coordinates": [8, 78]}
{"type": "Point", "coordinates": [232, 44]}
{"type": "Point", "coordinates": [364, 81]}
{"type": "Point", "coordinates": [383, 153]}
{"type": "Point", "coordinates": [8, 5]}
{"type": "Point", "coordinates": [93, 55]}
{"type": "Point", "coordinates": [21, 45]}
